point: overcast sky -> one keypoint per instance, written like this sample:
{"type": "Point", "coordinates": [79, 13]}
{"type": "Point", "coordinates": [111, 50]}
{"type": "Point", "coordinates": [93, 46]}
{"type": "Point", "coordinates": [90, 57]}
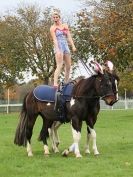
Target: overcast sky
{"type": "Point", "coordinates": [66, 6]}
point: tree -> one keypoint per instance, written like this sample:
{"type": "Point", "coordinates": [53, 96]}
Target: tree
{"type": "Point", "coordinates": [38, 44]}
{"type": "Point", "coordinates": [112, 34]}
{"type": "Point", "coordinates": [26, 45]}
{"type": "Point", "coordinates": [83, 36]}
{"type": "Point", "coordinates": [11, 63]}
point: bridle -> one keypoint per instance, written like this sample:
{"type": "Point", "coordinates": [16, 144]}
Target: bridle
{"type": "Point", "coordinates": [96, 96]}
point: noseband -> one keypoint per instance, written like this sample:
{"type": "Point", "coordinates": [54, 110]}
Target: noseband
{"type": "Point", "coordinates": [107, 95]}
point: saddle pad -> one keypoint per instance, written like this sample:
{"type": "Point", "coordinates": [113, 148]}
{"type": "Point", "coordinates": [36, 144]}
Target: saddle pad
{"type": "Point", "coordinates": [45, 93]}
{"type": "Point", "coordinates": [67, 91]}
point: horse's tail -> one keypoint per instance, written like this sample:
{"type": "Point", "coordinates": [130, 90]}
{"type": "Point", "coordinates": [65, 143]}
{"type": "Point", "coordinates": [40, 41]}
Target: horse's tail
{"type": "Point", "coordinates": [20, 135]}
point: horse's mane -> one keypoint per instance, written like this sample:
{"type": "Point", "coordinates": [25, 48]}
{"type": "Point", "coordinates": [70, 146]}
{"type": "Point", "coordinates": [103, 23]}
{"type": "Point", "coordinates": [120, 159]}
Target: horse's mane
{"type": "Point", "coordinates": [114, 75]}
{"type": "Point", "coordinates": [83, 85]}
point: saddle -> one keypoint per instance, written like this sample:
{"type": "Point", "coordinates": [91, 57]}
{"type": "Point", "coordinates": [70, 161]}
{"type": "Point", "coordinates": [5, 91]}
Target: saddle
{"type": "Point", "coordinates": [59, 97]}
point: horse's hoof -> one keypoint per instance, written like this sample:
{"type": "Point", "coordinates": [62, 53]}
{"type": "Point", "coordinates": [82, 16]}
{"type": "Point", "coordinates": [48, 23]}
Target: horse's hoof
{"type": "Point", "coordinates": [56, 151]}
{"type": "Point", "coordinates": [46, 153]}
{"type": "Point", "coordinates": [97, 155]}
{"type": "Point", "coordinates": [65, 153]}
{"type": "Point", "coordinates": [30, 154]}
{"type": "Point", "coordinates": [46, 150]}
{"type": "Point", "coordinates": [87, 151]}
{"type": "Point", "coordinates": [78, 155]}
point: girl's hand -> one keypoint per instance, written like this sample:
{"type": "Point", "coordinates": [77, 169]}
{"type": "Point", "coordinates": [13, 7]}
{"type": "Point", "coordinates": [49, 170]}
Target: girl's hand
{"type": "Point", "coordinates": [74, 49]}
{"type": "Point", "coordinates": [57, 50]}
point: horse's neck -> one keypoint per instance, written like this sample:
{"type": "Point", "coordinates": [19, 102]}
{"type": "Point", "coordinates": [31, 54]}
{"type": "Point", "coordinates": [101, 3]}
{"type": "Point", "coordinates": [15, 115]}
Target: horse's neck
{"type": "Point", "coordinates": [85, 87]}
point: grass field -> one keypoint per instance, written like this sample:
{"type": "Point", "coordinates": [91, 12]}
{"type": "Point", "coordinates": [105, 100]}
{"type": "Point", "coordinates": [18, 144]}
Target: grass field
{"type": "Point", "coordinates": [114, 140]}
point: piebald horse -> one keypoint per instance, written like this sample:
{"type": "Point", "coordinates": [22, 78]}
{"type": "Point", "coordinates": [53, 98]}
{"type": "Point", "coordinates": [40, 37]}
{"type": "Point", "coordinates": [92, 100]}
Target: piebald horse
{"type": "Point", "coordinates": [83, 106]}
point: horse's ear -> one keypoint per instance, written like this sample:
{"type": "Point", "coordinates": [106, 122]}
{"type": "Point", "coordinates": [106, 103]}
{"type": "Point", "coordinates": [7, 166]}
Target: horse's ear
{"type": "Point", "coordinates": [97, 67]}
{"type": "Point", "coordinates": [109, 66]}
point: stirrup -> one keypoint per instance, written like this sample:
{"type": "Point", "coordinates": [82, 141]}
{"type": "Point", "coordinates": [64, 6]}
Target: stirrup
{"type": "Point", "coordinates": [57, 97]}
{"type": "Point", "coordinates": [61, 85]}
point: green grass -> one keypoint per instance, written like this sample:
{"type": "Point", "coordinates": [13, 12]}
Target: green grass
{"type": "Point", "coordinates": [114, 140]}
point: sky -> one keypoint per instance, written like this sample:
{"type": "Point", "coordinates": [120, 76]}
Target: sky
{"type": "Point", "coordinates": [66, 6]}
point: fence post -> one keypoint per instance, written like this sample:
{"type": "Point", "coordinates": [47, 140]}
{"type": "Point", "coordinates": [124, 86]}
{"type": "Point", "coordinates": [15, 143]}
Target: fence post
{"type": "Point", "coordinates": [126, 107]}
{"type": "Point", "coordinates": [8, 100]}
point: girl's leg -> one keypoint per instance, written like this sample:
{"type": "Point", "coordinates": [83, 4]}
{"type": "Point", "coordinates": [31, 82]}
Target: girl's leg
{"type": "Point", "coordinates": [67, 62]}
{"type": "Point", "coordinates": [59, 64]}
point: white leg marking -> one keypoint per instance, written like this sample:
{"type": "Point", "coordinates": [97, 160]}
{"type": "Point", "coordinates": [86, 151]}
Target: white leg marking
{"type": "Point", "coordinates": [117, 97]}
{"type": "Point", "coordinates": [72, 102]}
{"type": "Point", "coordinates": [72, 148]}
{"type": "Point", "coordinates": [54, 136]}
{"type": "Point", "coordinates": [94, 146]}
{"type": "Point", "coordinates": [46, 150]}
{"type": "Point", "coordinates": [29, 149]}
{"type": "Point", "coordinates": [76, 138]}
{"type": "Point", "coordinates": [87, 149]}
{"type": "Point", "coordinates": [56, 126]}
{"type": "Point", "coordinates": [65, 152]}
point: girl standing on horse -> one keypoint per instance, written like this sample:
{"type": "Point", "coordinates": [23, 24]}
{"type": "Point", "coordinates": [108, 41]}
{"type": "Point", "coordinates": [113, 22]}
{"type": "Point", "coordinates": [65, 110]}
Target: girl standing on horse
{"type": "Point", "coordinates": [61, 37]}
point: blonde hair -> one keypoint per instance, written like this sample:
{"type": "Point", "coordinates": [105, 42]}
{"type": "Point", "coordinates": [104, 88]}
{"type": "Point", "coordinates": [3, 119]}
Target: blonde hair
{"type": "Point", "coordinates": [56, 12]}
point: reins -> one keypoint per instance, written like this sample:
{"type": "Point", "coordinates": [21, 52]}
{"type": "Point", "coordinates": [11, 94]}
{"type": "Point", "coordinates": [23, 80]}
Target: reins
{"type": "Point", "coordinates": [86, 97]}
{"type": "Point", "coordinates": [88, 70]}
{"type": "Point", "coordinates": [89, 97]}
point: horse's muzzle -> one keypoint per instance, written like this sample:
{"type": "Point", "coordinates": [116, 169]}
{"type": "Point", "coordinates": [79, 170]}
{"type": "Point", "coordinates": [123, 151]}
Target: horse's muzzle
{"type": "Point", "coordinates": [109, 99]}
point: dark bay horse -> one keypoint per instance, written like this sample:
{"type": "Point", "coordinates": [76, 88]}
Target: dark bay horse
{"type": "Point", "coordinates": [83, 106]}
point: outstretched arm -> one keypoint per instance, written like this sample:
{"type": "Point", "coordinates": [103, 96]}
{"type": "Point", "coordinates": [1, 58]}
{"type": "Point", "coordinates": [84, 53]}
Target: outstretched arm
{"type": "Point", "coordinates": [70, 40]}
